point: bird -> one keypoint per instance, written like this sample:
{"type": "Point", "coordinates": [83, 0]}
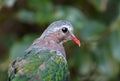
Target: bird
{"type": "Point", "coordinates": [45, 59]}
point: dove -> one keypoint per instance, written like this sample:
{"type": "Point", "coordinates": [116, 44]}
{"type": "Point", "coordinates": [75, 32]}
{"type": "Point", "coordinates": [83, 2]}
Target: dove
{"type": "Point", "coordinates": [45, 59]}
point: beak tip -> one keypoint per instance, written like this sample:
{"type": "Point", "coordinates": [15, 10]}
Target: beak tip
{"type": "Point", "coordinates": [76, 41]}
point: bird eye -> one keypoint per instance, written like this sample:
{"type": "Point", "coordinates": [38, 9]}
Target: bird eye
{"type": "Point", "coordinates": [64, 29]}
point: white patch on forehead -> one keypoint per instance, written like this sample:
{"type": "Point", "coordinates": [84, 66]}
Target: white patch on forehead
{"type": "Point", "coordinates": [55, 26]}
{"type": "Point", "coordinates": [58, 28]}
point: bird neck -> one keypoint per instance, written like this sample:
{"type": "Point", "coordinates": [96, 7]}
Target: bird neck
{"type": "Point", "coordinates": [54, 38]}
{"type": "Point", "coordinates": [47, 43]}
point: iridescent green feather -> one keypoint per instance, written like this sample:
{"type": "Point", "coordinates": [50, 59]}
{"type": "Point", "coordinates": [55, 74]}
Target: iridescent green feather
{"type": "Point", "coordinates": [43, 66]}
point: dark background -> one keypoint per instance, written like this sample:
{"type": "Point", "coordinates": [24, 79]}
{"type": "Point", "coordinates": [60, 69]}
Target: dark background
{"type": "Point", "coordinates": [96, 24]}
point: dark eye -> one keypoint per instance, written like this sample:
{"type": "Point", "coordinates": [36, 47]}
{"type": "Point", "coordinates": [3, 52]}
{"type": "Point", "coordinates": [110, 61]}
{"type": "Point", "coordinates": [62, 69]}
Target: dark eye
{"type": "Point", "coordinates": [64, 29]}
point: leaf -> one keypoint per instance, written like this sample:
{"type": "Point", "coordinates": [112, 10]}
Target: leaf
{"type": "Point", "coordinates": [100, 5]}
{"type": "Point", "coordinates": [8, 3]}
{"type": "Point", "coordinates": [81, 59]}
{"type": "Point", "coordinates": [72, 14]}
{"type": "Point", "coordinates": [42, 9]}
{"type": "Point", "coordinates": [92, 30]}
{"type": "Point", "coordinates": [86, 64]}
{"type": "Point", "coordinates": [18, 48]}
{"type": "Point", "coordinates": [107, 65]}
{"type": "Point", "coordinates": [39, 5]}
{"type": "Point", "coordinates": [26, 16]}
{"type": "Point", "coordinates": [115, 44]}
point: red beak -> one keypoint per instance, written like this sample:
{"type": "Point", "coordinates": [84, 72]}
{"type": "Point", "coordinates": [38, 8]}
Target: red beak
{"type": "Point", "coordinates": [76, 41]}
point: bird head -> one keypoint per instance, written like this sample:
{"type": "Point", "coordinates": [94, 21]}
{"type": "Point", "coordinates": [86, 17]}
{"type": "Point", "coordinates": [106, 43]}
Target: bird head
{"type": "Point", "coordinates": [61, 30]}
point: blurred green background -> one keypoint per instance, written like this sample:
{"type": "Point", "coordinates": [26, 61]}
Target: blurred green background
{"type": "Point", "coordinates": [96, 24]}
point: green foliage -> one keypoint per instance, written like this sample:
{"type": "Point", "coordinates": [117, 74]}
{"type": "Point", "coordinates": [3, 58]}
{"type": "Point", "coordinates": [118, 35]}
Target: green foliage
{"type": "Point", "coordinates": [90, 30]}
{"type": "Point", "coordinates": [21, 46]}
{"type": "Point", "coordinates": [115, 44]}
{"type": "Point", "coordinates": [96, 23]}
{"type": "Point", "coordinates": [7, 3]}
{"type": "Point", "coordinates": [26, 16]}
{"type": "Point", "coordinates": [100, 5]}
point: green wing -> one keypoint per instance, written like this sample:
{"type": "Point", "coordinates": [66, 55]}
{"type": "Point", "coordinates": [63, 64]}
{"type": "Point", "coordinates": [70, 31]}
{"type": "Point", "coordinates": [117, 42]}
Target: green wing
{"type": "Point", "coordinates": [43, 66]}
